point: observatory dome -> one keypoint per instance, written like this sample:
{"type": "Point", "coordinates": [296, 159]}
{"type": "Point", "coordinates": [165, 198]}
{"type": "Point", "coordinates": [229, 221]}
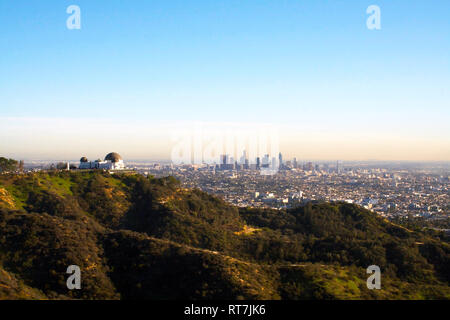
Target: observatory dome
{"type": "Point", "coordinates": [113, 157]}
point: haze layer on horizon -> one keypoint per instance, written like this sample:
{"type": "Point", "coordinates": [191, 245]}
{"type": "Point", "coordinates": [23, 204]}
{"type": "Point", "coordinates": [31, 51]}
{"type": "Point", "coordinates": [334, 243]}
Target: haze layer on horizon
{"type": "Point", "coordinates": [136, 72]}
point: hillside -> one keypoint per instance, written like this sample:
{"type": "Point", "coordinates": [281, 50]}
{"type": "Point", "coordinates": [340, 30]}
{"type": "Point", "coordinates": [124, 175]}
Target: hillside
{"type": "Point", "coordinates": [136, 237]}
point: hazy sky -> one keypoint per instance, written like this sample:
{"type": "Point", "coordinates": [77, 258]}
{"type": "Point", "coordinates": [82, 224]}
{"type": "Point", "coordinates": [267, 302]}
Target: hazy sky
{"type": "Point", "coordinates": [137, 69]}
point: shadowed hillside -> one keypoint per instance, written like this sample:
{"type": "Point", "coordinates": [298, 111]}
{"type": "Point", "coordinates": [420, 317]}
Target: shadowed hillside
{"type": "Point", "coordinates": [137, 237]}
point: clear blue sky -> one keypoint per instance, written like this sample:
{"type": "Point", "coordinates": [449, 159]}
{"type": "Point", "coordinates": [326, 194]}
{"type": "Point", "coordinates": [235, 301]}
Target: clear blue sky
{"type": "Point", "coordinates": [309, 64]}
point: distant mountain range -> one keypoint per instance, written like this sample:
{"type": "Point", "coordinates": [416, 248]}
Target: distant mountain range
{"type": "Point", "coordinates": [143, 238]}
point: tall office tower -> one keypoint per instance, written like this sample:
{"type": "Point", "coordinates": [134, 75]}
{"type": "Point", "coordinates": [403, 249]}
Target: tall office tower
{"type": "Point", "coordinates": [243, 158]}
{"type": "Point", "coordinates": [265, 161]}
{"type": "Point", "coordinates": [246, 164]}
{"type": "Point", "coordinates": [337, 167]}
{"type": "Point", "coordinates": [280, 158]}
{"type": "Point", "coordinates": [258, 163]}
{"type": "Point", "coordinates": [295, 163]}
{"type": "Point", "coordinates": [223, 159]}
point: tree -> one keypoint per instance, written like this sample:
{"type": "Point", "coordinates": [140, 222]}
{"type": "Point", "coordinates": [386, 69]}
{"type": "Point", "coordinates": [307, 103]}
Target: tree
{"type": "Point", "coordinates": [7, 164]}
{"type": "Point", "coordinates": [21, 165]}
{"type": "Point", "coordinates": [61, 165]}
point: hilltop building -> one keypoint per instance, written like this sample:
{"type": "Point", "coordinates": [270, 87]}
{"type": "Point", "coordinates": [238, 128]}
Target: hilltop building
{"type": "Point", "coordinates": [113, 161]}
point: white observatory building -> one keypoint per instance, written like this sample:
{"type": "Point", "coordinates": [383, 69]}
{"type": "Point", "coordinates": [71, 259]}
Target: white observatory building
{"type": "Point", "coordinates": [113, 161]}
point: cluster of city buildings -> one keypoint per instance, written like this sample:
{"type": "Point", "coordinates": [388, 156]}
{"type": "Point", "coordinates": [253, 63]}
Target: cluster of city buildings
{"type": "Point", "coordinates": [227, 162]}
{"type": "Point", "coordinates": [388, 191]}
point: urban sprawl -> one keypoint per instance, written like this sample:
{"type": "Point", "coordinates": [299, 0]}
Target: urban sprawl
{"type": "Point", "coordinates": [389, 189]}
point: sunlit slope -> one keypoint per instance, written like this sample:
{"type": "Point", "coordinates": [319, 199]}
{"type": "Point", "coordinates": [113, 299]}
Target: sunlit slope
{"type": "Point", "coordinates": [137, 237]}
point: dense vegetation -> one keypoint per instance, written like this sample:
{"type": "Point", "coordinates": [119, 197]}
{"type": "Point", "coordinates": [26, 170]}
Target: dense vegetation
{"type": "Point", "coordinates": [8, 164]}
{"type": "Point", "coordinates": [137, 237]}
